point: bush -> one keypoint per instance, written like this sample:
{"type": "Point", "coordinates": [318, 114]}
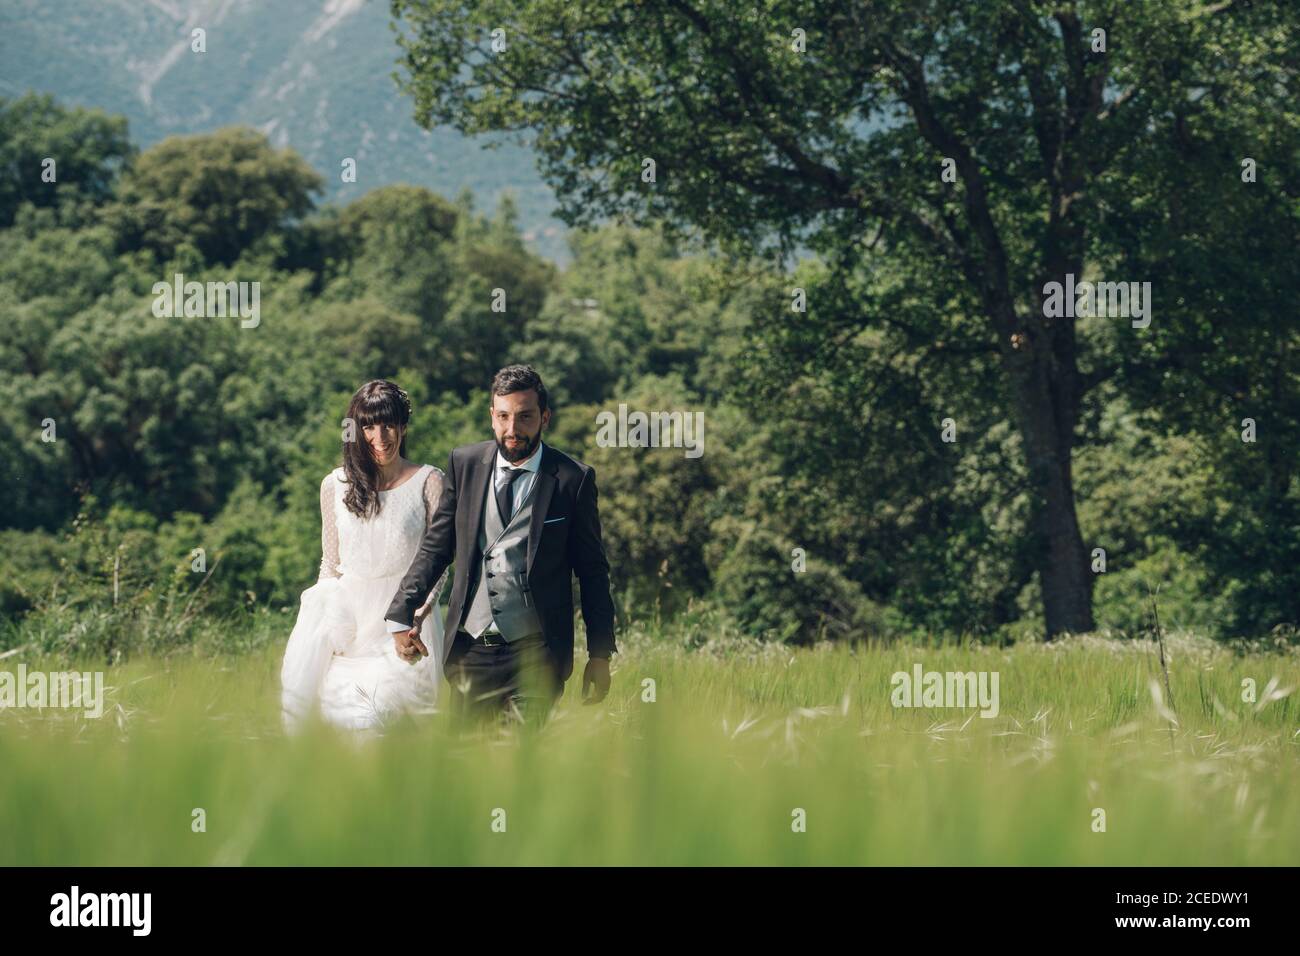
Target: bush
{"type": "Point", "coordinates": [1184, 593]}
{"type": "Point", "coordinates": [756, 581]}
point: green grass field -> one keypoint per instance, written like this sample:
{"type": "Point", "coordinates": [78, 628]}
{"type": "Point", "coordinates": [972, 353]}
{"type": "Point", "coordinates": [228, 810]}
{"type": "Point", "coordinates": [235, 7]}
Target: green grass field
{"type": "Point", "coordinates": [738, 739]}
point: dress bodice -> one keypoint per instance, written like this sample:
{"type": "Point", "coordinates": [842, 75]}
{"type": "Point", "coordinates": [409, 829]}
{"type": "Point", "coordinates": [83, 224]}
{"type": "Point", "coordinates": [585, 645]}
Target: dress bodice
{"type": "Point", "coordinates": [384, 545]}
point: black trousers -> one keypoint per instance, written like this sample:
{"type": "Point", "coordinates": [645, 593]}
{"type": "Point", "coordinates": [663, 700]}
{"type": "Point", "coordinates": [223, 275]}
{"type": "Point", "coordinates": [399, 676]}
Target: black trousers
{"type": "Point", "coordinates": [516, 681]}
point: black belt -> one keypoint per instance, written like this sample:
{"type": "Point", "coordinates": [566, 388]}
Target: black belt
{"type": "Point", "coordinates": [494, 640]}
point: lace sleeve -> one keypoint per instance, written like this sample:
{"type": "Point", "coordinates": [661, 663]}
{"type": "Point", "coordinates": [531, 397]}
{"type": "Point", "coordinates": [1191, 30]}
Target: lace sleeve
{"type": "Point", "coordinates": [329, 535]}
{"type": "Point", "coordinates": [432, 492]}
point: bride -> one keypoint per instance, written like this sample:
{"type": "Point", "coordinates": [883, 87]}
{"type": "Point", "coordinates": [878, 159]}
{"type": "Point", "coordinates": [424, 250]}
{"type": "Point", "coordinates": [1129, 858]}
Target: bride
{"type": "Point", "coordinates": [341, 663]}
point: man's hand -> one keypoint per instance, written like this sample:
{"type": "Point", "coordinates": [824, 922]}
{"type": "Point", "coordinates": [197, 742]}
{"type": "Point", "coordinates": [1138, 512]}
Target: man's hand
{"type": "Point", "coordinates": [409, 646]}
{"type": "Point", "coordinates": [595, 677]}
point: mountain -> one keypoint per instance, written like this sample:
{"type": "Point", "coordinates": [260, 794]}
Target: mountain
{"type": "Point", "coordinates": [316, 75]}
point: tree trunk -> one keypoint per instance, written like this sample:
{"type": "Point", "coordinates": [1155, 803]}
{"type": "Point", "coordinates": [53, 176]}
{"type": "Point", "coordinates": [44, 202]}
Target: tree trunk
{"type": "Point", "coordinates": [1059, 554]}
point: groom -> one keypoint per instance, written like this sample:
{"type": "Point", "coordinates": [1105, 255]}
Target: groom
{"type": "Point", "coordinates": [518, 518]}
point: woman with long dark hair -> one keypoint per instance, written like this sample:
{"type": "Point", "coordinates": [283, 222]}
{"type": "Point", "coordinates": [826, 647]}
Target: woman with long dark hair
{"type": "Point", "coordinates": [340, 663]}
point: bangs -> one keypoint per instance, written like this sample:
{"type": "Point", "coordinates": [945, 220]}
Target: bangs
{"type": "Point", "coordinates": [381, 408]}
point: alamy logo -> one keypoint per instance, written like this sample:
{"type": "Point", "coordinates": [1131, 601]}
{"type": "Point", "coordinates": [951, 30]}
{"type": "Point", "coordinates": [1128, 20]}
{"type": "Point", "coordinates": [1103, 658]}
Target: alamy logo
{"type": "Point", "coordinates": [216, 300]}
{"type": "Point", "coordinates": [1121, 300]}
{"type": "Point", "coordinates": [53, 689]}
{"type": "Point", "coordinates": [651, 430]}
{"type": "Point", "coordinates": [946, 689]}
{"type": "Point", "coordinates": [102, 909]}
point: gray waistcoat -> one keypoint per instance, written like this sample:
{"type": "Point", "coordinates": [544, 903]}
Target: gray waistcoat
{"type": "Point", "coordinates": [501, 594]}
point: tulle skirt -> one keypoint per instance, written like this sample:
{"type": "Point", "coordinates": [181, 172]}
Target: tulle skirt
{"type": "Point", "coordinates": [341, 663]}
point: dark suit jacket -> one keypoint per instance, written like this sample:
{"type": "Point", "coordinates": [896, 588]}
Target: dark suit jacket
{"type": "Point", "coordinates": [563, 539]}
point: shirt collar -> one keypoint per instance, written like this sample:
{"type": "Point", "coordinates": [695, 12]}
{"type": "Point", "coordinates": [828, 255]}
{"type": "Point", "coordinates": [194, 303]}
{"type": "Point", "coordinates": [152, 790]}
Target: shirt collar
{"type": "Point", "coordinates": [532, 464]}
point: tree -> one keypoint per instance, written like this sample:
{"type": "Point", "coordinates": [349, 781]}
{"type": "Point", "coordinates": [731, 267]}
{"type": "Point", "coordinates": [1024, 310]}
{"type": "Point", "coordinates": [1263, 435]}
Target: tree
{"type": "Point", "coordinates": [87, 147]}
{"type": "Point", "coordinates": [630, 305]}
{"type": "Point", "coordinates": [218, 193]}
{"type": "Point", "coordinates": [833, 124]}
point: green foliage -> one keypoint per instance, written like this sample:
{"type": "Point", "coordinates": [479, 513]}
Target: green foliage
{"type": "Point", "coordinates": [822, 432]}
{"type": "Point", "coordinates": [29, 569]}
{"type": "Point", "coordinates": [1167, 582]}
{"type": "Point", "coordinates": [1071, 155]}
{"type": "Point", "coordinates": [656, 505]}
{"type": "Point", "coordinates": [88, 148]}
{"type": "Point", "coordinates": [216, 194]}
{"type": "Point", "coordinates": [633, 306]}
{"type": "Point", "coordinates": [122, 585]}
{"type": "Point", "coordinates": [760, 585]}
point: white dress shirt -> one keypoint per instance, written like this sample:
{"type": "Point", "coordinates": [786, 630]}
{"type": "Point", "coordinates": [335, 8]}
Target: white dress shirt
{"type": "Point", "coordinates": [523, 488]}
{"type": "Point", "coordinates": [524, 483]}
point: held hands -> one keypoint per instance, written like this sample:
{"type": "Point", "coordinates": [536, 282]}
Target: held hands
{"type": "Point", "coordinates": [409, 646]}
{"type": "Point", "coordinates": [595, 678]}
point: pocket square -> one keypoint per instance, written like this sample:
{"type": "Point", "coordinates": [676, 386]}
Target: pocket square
{"type": "Point", "coordinates": [553, 520]}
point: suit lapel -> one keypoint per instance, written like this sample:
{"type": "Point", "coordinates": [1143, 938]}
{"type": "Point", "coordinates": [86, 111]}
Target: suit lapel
{"type": "Point", "coordinates": [542, 492]}
{"type": "Point", "coordinates": [478, 490]}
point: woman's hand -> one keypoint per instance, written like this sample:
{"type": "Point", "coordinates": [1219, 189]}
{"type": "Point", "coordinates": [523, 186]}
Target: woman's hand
{"type": "Point", "coordinates": [409, 646]}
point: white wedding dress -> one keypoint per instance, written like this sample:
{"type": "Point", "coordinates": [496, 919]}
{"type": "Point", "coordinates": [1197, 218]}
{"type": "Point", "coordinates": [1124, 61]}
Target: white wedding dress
{"type": "Point", "coordinates": [341, 663]}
